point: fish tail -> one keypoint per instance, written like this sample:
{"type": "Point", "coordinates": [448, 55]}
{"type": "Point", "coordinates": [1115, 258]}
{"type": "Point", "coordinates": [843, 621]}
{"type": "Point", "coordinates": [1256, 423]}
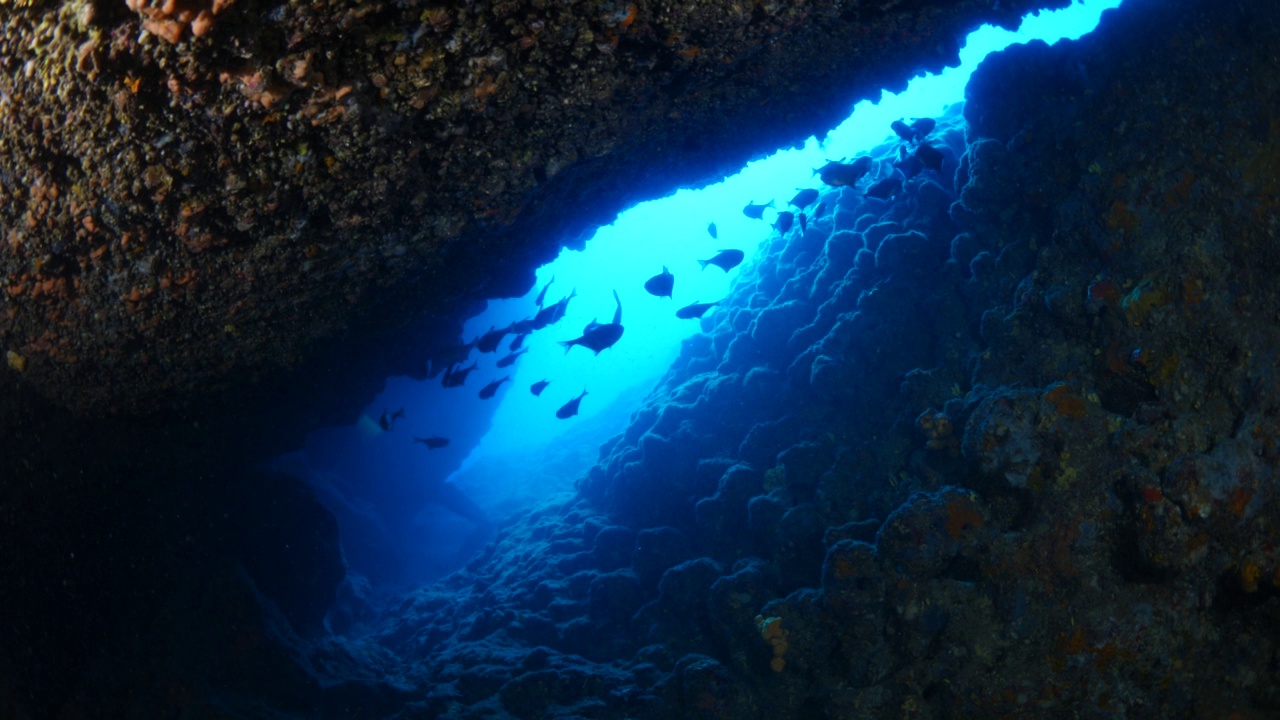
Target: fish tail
{"type": "Point", "coordinates": [568, 344]}
{"type": "Point", "coordinates": [704, 263]}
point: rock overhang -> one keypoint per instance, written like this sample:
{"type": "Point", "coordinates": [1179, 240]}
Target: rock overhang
{"type": "Point", "coordinates": [205, 198]}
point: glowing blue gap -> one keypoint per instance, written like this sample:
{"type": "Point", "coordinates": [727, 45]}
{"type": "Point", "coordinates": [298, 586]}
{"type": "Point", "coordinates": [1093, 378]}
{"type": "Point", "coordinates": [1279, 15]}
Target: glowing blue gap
{"type": "Point", "coordinates": [672, 231]}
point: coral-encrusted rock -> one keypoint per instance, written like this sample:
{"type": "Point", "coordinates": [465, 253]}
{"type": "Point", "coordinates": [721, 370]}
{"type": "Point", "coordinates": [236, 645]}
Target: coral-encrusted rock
{"type": "Point", "coordinates": [215, 186]}
{"type": "Point", "coordinates": [657, 550]}
{"type": "Point", "coordinates": [926, 535]}
{"type": "Point", "coordinates": [703, 683]}
{"type": "Point", "coordinates": [1001, 436]}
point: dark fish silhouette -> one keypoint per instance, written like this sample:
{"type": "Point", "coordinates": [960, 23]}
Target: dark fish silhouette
{"type": "Point", "coordinates": [552, 314]}
{"type": "Point", "coordinates": [491, 389]}
{"type": "Point", "coordinates": [696, 310]}
{"type": "Point", "coordinates": [903, 130]}
{"type": "Point", "coordinates": [433, 443]}
{"type": "Point", "coordinates": [839, 174]}
{"type": "Point", "coordinates": [712, 229]}
{"type": "Point", "coordinates": [804, 198]}
{"type": "Point", "coordinates": [539, 386]}
{"type": "Point", "coordinates": [489, 341]}
{"type": "Point", "coordinates": [543, 318]}
{"type": "Point", "coordinates": [523, 327]}
{"type": "Point", "coordinates": [570, 408]}
{"type": "Point", "coordinates": [804, 223]}
{"type": "Point", "coordinates": [922, 127]}
{"type": "Point", "coordinates": [754, 211]}
{"type": "Point", "coordinates": [725, 260]}
{"type": "Point", "coordinates": [597, 336]}
{"type": "Point", "coordinates": [930, 156]}
{"type": "Point", "coordinates": [660, 285]}
{"type": "Point", "coordinates": [517, 343]}
{"type": "Point", "coordinates": [783, 223]}
{"type": "Point", "coordinates": [916, 132]}
{"type": "Point", "coordinates": [455, 378]}
{"type": "Point", "coordinates": [509, 359]}
{"type": "Point", "coordinates": [387, 423]}
{"type": "Point", "coordinates": [910, 165]}
{"type": "Point", "coordinates": [885, 189]}
{"type": "Point", "coordinates": [543, 295]}
{"type": "Point", "coordinates": [563, 306]}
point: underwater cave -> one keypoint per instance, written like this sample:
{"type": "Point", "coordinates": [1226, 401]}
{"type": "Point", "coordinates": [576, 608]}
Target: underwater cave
{"type": "Point", "coordinates": [565, 360]}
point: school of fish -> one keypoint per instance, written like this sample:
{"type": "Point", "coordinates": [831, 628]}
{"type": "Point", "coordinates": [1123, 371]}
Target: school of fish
{"type": "Point", "coordinates": [915, 156]}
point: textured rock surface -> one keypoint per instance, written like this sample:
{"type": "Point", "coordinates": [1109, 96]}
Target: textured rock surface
{"type": "Point", "coordinates": [1019, 461]}
{"type": "Point", "coordinates": [197, 195]}
{"type": "Point", "coordinates": [1015, 457]}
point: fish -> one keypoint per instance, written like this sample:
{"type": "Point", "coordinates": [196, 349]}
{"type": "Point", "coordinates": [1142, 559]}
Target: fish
{"type": "Point", "coordinates": [491, 389]}
{"type": "Point", "coordinates": [838, 174]}
{"type": "Point", "coordinates": [543, 318]}
{"type": "Point", "coordinates": [922, 127]}
{"type": "Point", "coordinates": [488, 342]}
{"type": "Point", "coordinates": [597, 336]}
{"type": "Point", "coordinates": [570, 408]}
{"type": "Point", "coordinates": [517, 343]}
{"type": "Point", "coordinates": [563, 306]}
{"type": "Point", "coordinates": [903, 130]}
{"type": "Point", "coordinates": [549, 315]}
{"type": "Point", "coordinates": [543, 295]}
{"type": "Point", "coordinates": [804, 223]}
{"type": "Point", "coordinates": [455, 378]}
{"type": "Point", "coordinates": [725, 260]}
{"type": "Point", "coordinates": [660, 285]}
{"type": "Point", "coordinates": [539, 386]}
{"type": "Point", "coordinates": [930, 156]}
{"type": "Point", "coordinates": [712, 229]}
{"type": "Point", "coordinates": [916, 132]}
{"type": "Point", "coordinates": [783, 223]}
{"type": "Point", "coordinates": [433, 443]}
{"type": "Point", "coordinates": [510, 358]}
{"type": "Point", "coordinates": [754, 211]}
{"type": "Point", "coordinates": [694, 310]}
{"type": "Point", "coordinates": [523, 327]}
{"type": "Point", "coordinates": [387, 423]}
{"type": "Point", "coordinates": [804, 198]}
{"type": "Point", "coordinates": [910, 165]}
{"type": "Point", "coordinates": [885, 189]}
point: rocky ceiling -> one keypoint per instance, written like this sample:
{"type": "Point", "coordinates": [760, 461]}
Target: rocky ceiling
{"type": "Point", "coordinates": [200, 199]}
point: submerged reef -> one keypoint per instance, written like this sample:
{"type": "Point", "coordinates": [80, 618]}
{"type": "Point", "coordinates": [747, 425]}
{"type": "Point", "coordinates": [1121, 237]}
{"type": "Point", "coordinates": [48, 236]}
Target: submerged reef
{"type": "Point", "coordinates": [204, 197]}
{"type": "Point", "coordinates": [1002, 444]}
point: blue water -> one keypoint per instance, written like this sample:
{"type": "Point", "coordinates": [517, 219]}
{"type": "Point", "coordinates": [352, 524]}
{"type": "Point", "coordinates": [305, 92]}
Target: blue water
{"type": "Point", "coordinates": [409, 513]}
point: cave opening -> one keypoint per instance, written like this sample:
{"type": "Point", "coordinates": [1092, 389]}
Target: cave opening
{"type": "Point", "coordinates": [433, 468]}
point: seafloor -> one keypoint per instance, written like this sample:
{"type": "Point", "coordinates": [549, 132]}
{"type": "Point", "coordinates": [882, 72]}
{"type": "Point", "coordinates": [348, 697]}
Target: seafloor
{"type": "Point", "coordinates": [1001, 446]}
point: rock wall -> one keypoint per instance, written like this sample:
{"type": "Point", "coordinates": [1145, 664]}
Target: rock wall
{"type": "Point", "coordinates": [1004, 445]}
{"type": "Point", "coordinates": [198, 196]}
